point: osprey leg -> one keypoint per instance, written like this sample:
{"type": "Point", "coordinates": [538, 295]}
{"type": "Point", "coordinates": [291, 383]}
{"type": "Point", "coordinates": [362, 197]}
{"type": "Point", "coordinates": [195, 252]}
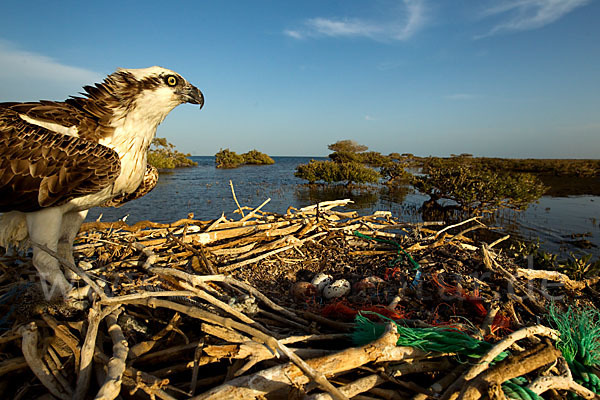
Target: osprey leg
{"type": "Point", "coordinates": [44, 228]}
{"type": "Point", "coordinates": [70, 227]}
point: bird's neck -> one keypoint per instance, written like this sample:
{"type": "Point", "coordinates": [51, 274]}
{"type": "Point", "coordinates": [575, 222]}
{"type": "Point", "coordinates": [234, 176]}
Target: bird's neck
{"type": "Point", "coordinates": [131, 138]}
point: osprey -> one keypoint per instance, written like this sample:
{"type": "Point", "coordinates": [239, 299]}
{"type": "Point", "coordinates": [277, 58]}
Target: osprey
{"type": "Point", "coordinates": [58, 159]}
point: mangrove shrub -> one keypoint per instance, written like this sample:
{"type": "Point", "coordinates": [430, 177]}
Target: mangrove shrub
{"type": "Point", "coordinates": [474, 186]}
{"type": "Point", "coordinates": [230, 159]}
{"type": "Point", "coordinates": [163, 155]}
{"type": "Point", "coordinates": [331, 172]}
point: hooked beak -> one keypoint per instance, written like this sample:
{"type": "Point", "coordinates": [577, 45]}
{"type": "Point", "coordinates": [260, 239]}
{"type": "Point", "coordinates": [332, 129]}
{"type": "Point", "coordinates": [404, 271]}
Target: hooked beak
{"type": "Point", "coordinates": [193, 95]}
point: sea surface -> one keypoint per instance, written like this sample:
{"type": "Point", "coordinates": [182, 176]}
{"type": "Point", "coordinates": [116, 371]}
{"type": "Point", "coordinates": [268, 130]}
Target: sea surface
{"type": "Point", "coordinates": [559, 222]}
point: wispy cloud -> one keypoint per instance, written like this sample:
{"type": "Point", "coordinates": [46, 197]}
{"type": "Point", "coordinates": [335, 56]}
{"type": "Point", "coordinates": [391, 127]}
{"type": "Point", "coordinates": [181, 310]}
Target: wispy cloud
{"type": "Point", "coordinates": [521, 15]}
{"type": "Point", "coordinates": [369, 118]}
{"type": "Point", "coordinates": [24, 73]}
{"type": "Point", "coordinates": [402, 27]}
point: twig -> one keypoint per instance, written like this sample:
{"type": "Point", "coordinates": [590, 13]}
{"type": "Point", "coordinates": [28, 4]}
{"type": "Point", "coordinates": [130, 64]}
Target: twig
{"type": "Point", "coordinates": [512, 367]}
{"type": "Point", "coordinates": [63, 333]}
{"type": "Point", "coordinates": [557, 277]}
{"type": "Point", "coordinates": [251, 214]}
{"type": "Point", "coordinates": [235, 198]}
{"type": "Point", "coordinates": [271, 342]}
{"type": "Point", "coordinates": [438, 233]}
{"type": "Point", "coordinates": [29, 334]}
{"type": "Point", "coordinates": [495, 242]}
{"type": "Point", "coordinates": [484, 362]}
{"type": "Point", "coordinates": [96, 314]}
{"type": "Point", "coordinates": [563, 382]}
{"type": "Point", "coordinates": [116, 365]}
{"type": "Point", "coordinates": [284, 378]}
{"type": "Point", "coordinates": [505, 343]}
{"type": "Point", "coordinates": [12, 364]}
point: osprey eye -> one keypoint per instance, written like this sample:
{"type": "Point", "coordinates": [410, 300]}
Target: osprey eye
{"type": "Point", "coordinates": [171, 80]}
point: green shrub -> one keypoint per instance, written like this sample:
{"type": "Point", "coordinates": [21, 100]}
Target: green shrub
{"type": "Point", "coordinates": [374, 158]}
{"type": "Point", "coordinates": [394, 172]}
{"type": "Point", "coordinates": [331, 172]}
{"type": "Point", "coordinates": [347, 146]}
{"type": "Point", "coordinates": [162, 155]}
{"type": "Point", "coordinates": [473, 185]}
{"type": "Point", "coordinates": [228, 159]}
{"type": "Point", "coordinates": [255, 157]}
{"type": "Point", "coordinates": [345, 157]}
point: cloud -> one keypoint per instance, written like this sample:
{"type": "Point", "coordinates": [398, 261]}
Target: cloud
{"type": "Point", "coordinates": [524, 15]}
{"type": "Point", "coordinates": [294, 34]}
{"type": "Point", "coordinates": [400, 28]}
{"type": "Point", "coordinates": [24, 73]}
{"type": "Point", "coordinates": [369, 118]}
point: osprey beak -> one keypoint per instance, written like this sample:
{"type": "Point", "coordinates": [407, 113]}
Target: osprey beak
{"type": "Point", "coordinates": [192, 94]}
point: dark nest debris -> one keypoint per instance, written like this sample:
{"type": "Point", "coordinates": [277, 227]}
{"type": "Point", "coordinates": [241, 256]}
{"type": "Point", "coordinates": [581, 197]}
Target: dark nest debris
{"type": "Point", "coordinates": [317, 303]}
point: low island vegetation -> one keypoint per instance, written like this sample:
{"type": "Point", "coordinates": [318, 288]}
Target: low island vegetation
{"type": "Point", "coordinates": [226, 158]}
{"type": "Point", "coordinates": [163, 155]}
{"type": "Point", "coordinates": [471, 183]}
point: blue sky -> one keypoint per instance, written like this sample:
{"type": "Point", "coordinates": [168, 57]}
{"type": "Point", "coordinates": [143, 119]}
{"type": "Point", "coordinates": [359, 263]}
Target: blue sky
{"type": "Point", "coordinates": [507, 78]}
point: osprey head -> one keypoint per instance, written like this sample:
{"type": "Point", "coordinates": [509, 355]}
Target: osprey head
{"type": "Point", "coordinates": [164, 86]}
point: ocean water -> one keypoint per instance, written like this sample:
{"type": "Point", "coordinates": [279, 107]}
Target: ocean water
{"type": "Point", "coordinates": [205, 191]}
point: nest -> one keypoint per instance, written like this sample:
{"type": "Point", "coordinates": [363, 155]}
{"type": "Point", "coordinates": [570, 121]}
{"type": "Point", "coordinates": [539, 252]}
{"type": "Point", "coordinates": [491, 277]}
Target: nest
{"type": "Point", "coordinates": [230, 309]}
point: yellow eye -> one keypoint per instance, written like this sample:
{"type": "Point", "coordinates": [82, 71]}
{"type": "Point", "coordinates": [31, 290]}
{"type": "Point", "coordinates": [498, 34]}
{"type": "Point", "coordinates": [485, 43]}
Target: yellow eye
{"type": "Point", "coordinates": [171, 80]}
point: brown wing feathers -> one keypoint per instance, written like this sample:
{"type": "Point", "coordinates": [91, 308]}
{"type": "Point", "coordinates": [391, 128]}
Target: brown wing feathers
{"type": "Point", "coordinates": [40, 168]}
{"type": "Point", "coordinates": [148, 183]}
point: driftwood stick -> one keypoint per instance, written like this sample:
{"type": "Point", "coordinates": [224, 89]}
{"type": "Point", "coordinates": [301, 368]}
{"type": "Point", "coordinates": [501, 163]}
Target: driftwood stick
{"type": "Point", "coordinates": [235, 198]}
{"type": "Point", "coordinates": [251, 213]}
{"type": "Point", "coordinates": [556, 277]}
{"type": "Point", "coordinates": [493, 265]}
{"type": "Point", "coordinates": [256, 293]}
{"type": "Point", "coordinates": [135, 380]}
{"type": "Point", "coordinates": [165, 354]}
{"type": "Point", "coordinates": [310, 338]}
{"type": "Point", "coordinates": [438, 233]}
{"type": "Point", "coordinates": [95, 316]}
{"type": "Point", "coordinates": [271, 342]}
{"type": "Point", "coordinates": [495, 242]}
{"type": "Point", "coordinates": [512, 367]}
{"type": "Point", "coordinates": [227, 308]}
{"type": "Point", "coordinates": [63, 333]}
{"type": "Point", "coordinates": [324, 205]}
{"type": "Point", "coordinates": [54, 364]}
{"type": "Point", "coordinates": [562, 382]}
{"type": "Point", "coordinates": [143, 347]}
{"type": "Point", "coordinates": [505, 343]}
{"type": "Point", "coordinates": [216, 222]}
{"type": "Point", "coordinates": [116, 365]}
{"type": "Point", "coordinates": [29, 345]}
{"type": "Point", "coordinates": [199, 253]}
{"type": "Point", "coordinates": [12, 365]}
{"type": "Point", "coordinates": [122, 225]}
{"type": "Point", "coordinates": [9, 338]}
{"type": "Point", "coordinates": [231, 267]}
{"type": "Point", "coordinates": [198, 292]}
{"type": "Point", "coordinates": [484, 362]}
{"type": "Point", "coordinates": [143, 295]}
{"type": "Point", "coordinates": [200, 280]}
{"type": "Point", "coordinates": [197, 355]}
{"type": "Point", "coordinates": [353, 389]}
{"type": "Point", "coordinates": [285, 378]}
